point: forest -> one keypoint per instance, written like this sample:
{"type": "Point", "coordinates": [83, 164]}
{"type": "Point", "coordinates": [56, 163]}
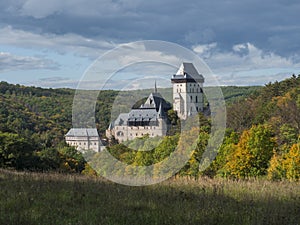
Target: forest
{"type": "Point", "coordinates": [261, 140]}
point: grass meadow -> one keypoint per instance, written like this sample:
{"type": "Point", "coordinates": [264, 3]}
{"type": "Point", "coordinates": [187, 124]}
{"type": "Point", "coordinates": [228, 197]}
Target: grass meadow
{"type": "Point", "coordinates": [51, 198]}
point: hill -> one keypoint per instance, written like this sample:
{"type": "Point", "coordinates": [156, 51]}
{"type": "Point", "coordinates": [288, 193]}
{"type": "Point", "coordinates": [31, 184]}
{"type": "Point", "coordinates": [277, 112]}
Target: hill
{"type": "Point", "coordinates": [48, 112]}
{"type": "Point", "coordinates": [263, 131]}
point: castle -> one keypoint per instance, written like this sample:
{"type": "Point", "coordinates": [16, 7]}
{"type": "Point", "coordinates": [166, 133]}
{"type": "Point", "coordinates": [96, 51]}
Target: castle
{"type": "Point", "coordinates": [151, 117]}
{"type": "Point", "coordinates": [84, 139]}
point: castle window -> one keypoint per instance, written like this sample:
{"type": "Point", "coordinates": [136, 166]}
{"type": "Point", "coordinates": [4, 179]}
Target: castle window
{"type": "Point", "coordinates": [95, 143]}
{"type": "Point", "coordinates": [197, 100]}
{"type": "Point", "coordinates": [120, 133]}
{"type": "Point", "coordinates": [191, 98]}
{"type": "Point", "coordinates": [197, 108]}
{"type": "Point", "coordinates": [136, 134]}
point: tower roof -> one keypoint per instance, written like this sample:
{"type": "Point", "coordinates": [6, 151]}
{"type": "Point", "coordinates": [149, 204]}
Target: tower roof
{"type": "Point", "coordinates": [187, 72]}
{"type": "Point", "coordinates": [154, 100]}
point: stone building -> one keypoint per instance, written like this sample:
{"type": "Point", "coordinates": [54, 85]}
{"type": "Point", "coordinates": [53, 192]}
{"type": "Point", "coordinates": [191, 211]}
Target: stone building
{"type": "Point", "coordinates": [84, 139]}
{"type": "Point", "coordinates": [150, 118]}
{"type": "Point", "coordinates": [188, 98]}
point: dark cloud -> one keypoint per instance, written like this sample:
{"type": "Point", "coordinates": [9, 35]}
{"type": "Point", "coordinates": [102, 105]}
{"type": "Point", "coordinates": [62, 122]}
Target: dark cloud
{"type": "Point", "coordinates": [269, 25]}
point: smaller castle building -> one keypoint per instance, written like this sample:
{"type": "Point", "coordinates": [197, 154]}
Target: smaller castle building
{"type": "Point", "coordinates": [84, 139]}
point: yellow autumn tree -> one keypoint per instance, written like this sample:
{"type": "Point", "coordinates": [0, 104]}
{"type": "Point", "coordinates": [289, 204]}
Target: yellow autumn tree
{"type": "Point", "coordinates": [252, 153]}
{"type": "Point", "coordinates": [276, 170]}
{"type": "Point", "coordinates": [292, 163]}
{"type": "Point", "coordinates": [286, 165]}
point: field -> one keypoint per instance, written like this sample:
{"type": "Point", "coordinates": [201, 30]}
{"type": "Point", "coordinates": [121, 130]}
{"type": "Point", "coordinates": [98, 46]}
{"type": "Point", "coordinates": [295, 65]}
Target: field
{"type": "Point", "coordinates": [32, 198]}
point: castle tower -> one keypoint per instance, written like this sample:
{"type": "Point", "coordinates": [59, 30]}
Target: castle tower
{"type": "Point", "coordinates": [187, 91]}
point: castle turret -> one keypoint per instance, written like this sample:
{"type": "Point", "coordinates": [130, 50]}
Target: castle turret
{"type": "Point", "coordinates": [187, 91]}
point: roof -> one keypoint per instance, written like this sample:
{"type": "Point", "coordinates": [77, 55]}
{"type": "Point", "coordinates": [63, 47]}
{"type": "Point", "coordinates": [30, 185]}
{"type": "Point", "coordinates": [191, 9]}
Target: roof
{"type": "Point", "coordinates": [121, 120]}
{"type": "Point", "coordinates": [82, 132]}
{"type": "Point", "coordinates": [155, 107]}
{"type": "Point", "coordinates": [154, 101]}
{"type": "Point", "coordinates": [187, 71]}
{"type": "Point", "coordinates": [143, 115]}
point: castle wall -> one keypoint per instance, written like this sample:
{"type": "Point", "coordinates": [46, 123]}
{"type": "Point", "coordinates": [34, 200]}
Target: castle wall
{"type": "Point", "coordinates": [124, 133]}
{"type": "Point", "coordinates": [84, 143]}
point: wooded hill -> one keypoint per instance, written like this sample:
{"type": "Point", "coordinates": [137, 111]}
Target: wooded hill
{"type": "Point", "coordinates": [33, 122]}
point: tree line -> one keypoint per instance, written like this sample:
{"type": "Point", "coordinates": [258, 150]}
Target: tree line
{"type": "Point", "coordinates": [262, 136]}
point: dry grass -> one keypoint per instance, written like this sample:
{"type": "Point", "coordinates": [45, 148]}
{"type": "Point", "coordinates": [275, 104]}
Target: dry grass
{"type": "Point", "coordinates": [32, 198]}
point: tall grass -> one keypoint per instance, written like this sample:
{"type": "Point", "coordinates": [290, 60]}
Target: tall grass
{"type": "Point", "coordinates": [32, 198]}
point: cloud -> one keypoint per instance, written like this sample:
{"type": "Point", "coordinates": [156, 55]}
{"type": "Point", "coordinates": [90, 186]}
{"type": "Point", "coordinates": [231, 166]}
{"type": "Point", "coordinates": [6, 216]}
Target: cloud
{"type": "Point", "coordinates": [187, 23]}
{"type": "Point", "coordinates": [79, 45]}
{"type": "Point", "coordinates": [243, 57]}
{"type": "Point", "coordinates": [54, 82]}
{"type": "Point", "coordinates": [246, 64]}
{"type": "Point", "coordinates": [9, 62]}
{"type": "Point", "coordinates": [71, 7]}
{"type": "Point", "coordinates": [232, 36]}
{"type": "Point", "coordinates": [256, 77]}
{"type": "Point", "coordinates": [270, 25]}
{"type": "Point", "coordinates": [204, 49]}
{"type": "Point", "coordinates": [240, 47]}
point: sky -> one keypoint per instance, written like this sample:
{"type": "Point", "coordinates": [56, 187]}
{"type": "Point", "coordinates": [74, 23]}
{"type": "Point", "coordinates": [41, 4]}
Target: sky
{"type": "Point", "coordinates": [52, 43]}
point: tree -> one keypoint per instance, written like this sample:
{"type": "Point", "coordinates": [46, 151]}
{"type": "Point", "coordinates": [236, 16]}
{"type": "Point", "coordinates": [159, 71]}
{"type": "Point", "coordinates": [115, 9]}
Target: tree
{"type": "Point", "coordinates": [50, 159]}
{"type": "Point", "coordinates": [252, 154]}
{"type": "Point", "coordinates": [286, 165]}
{"type": "Point", "coordinates": [15, 151]}
{"type": "Point", "coordinates": [72, 160]}
{"type": "Point", "coordinates": [292, 163]}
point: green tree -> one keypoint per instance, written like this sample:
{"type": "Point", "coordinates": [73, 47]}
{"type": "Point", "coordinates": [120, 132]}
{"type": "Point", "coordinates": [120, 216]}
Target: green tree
{"type": "Point", "coordinates": [50, 159]}
{"type": "Point", "coordinates": [15, 151]}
